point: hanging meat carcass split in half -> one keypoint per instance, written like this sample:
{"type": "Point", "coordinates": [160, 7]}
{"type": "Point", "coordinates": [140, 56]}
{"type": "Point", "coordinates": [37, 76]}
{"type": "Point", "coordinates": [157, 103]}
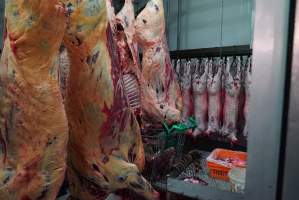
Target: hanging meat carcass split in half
{"type": "Point", "coordinates": [232, 86]}
{"type": "Point", "coordinates": [123, 28]}
{"type": "Point", "coordinates": [160, 92]}
{"type": "Point", "coordinates": [199, 87]}
{"type": "Point", "coordinates": [105, 146]}
{"type": "Point", "coordinates": [247, 78]}
{"type": "Point", "coordinates": [33, 123]}
{"type": "Point", "coordinates": [214, 84]}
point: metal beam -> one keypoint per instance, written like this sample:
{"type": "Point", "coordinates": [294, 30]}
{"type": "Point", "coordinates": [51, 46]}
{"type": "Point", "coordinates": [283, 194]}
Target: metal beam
{"type": "Point", "coordinates": [179, 23]}
{"type": "Point", "coordinates": [212, 52]}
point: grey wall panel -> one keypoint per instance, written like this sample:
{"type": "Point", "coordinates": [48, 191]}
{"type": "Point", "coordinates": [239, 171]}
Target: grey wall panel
{"type": "Point", "coordinates": [201, 23]}
{"type": "Point", "coordinates": [269, 68]}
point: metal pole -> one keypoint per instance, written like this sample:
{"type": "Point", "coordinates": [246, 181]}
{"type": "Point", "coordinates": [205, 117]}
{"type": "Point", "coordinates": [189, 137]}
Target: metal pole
{"type": "Point", "coordinates": [179, 26]}
{"type": "Point", "coordinates": [221, 28]}
{"type": "Point", "coordinates": [168, 20]}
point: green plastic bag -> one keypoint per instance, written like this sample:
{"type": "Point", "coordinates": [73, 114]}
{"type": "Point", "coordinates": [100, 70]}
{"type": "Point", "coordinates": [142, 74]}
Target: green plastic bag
{"type": "Point", "coordinates": [180, 128]}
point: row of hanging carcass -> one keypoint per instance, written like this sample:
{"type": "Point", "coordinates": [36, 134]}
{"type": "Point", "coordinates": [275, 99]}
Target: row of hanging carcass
{"type": "Point", "coordinates": [93, 130]}
{"type": "Point", "coordinates": [217, 92]}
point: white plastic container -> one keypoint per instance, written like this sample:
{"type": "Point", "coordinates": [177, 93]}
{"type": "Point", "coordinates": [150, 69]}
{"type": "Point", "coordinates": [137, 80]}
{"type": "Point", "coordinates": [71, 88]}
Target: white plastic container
{"type": "Point", "coordinates": [237, 177]}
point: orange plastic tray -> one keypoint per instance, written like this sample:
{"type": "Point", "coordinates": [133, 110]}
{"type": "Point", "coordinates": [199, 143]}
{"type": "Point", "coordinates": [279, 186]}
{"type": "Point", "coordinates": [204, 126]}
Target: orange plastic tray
{"type": "Point", "coordinates": [219, 166]}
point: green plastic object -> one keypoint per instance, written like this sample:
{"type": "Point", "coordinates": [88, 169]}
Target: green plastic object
{"type": "Point", "coordinates": [168, 134]}
{"type": "Point", "coordinates": [180, 127]}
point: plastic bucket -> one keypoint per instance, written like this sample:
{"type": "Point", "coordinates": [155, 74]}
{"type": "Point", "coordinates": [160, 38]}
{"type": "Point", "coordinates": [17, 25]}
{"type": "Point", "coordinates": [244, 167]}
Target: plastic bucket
{"type": "Point", "coordinates": [237, 177]}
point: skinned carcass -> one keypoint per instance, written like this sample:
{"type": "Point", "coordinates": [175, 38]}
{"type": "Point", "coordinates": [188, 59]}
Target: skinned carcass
{"type": "Point", "coordinates": [186, 90]}
{"type": "Point", "coordinates": [199, 88]}
{"type": "Point", "coordinates": [105, 148]}
{"type": "Point", "coordinates": [247, 84]}
{"type": "Point", "coordinates": [232, 87]}
{"type": "Point", "coordinates": [214, 83]}
{"type": "Point", "coordinates": [33, 123]}
{"type": "Point", "coordinates": [177, 68]}
{"type": "Point", "coordinates": [160, 93]}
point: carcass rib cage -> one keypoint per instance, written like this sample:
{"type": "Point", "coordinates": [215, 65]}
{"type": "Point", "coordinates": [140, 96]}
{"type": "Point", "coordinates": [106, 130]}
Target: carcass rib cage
{"type": "Point", "coordinates": [132, 91]}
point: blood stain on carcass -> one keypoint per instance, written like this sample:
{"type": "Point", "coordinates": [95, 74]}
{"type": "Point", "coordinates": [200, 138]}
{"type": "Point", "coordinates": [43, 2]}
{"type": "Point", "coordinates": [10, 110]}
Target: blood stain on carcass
{"type": "Point", "coordinates": [13, 44]}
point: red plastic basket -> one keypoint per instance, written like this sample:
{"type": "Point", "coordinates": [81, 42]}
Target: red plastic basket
{"type": "Point", "coordinates": [221, 161]}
